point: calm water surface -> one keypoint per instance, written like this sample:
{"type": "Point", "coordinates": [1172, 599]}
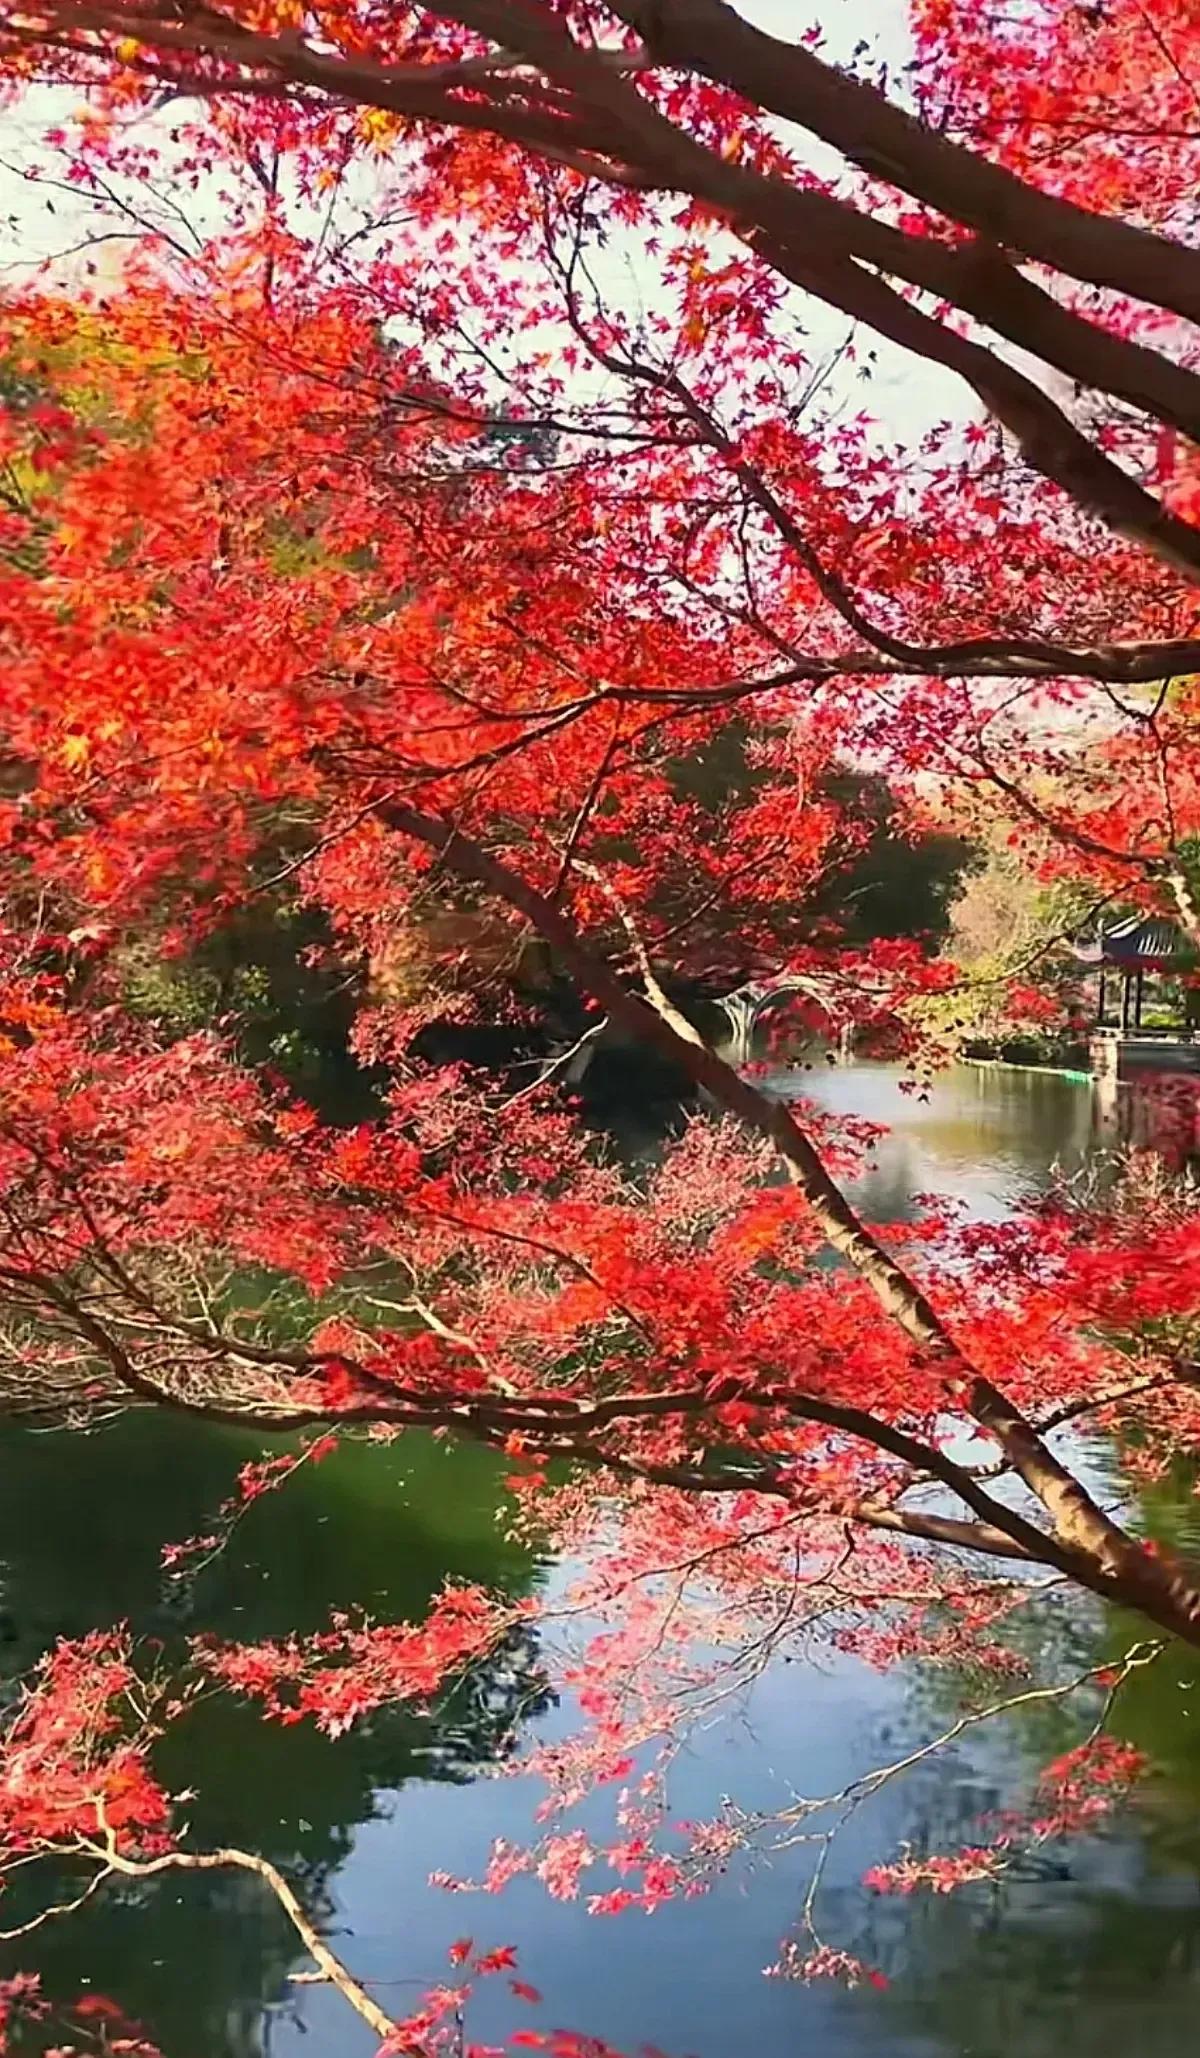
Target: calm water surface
{"type": "Point", "coordinates": [1098, 1952]}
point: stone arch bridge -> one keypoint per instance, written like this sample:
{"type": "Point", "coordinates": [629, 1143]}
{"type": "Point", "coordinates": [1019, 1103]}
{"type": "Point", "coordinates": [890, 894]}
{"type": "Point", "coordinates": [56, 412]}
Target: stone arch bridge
{"type": "Point", "coordinates": [749, 1005]}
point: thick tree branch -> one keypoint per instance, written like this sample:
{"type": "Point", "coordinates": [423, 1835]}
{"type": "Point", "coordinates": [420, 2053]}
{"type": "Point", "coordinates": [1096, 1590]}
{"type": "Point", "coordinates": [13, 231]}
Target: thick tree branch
{"type": "Point", "coordinates": [709, 37]}
{"type": "Point", "coordinates": [563, 1424]}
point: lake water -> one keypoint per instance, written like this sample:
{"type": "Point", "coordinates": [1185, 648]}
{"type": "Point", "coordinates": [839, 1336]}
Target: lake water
{"type": "Point", "coordinates": [1098, 1951]}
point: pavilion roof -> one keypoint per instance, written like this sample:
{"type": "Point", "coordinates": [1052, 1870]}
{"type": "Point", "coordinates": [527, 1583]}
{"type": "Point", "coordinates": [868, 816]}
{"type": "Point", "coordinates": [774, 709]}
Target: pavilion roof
{"type": "Point", "coordinates": [1148, 941]}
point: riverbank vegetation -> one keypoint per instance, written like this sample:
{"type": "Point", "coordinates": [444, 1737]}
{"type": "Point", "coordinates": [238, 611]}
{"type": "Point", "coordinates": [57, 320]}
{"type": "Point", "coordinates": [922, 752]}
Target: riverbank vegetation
{"type": "Point", "coordinates": [459, 569]}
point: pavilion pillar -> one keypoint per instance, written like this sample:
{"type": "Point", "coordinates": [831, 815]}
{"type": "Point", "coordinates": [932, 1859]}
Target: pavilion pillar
{"type": "Point", "coordinates": [1137, 1003]}
{"type": "Point", "coordinates": [1126, 1002]}
{"type": "Point", "coordinates": [1102, 1006]}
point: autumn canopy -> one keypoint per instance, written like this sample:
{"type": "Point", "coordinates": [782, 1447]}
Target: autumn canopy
{"type": "Point", "coordinates": [473, 479]}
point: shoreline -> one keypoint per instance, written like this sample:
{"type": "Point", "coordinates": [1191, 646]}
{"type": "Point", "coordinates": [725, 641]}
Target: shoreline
{"type": "Point", "coordinates": [1045, 1071]}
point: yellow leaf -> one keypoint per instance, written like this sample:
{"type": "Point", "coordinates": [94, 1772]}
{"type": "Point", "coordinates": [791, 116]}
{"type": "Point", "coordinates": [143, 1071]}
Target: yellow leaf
{"type": "Point", "coordinates": [378, 126]}
{"type": "Point", "coordinates": [172, 1147]}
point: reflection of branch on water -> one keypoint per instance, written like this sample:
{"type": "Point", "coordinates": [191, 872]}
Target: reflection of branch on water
{"type": "Point", "coordinates": [479, 1722]}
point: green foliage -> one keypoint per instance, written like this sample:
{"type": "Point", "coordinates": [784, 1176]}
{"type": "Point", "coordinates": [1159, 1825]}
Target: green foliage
{"type": "Point", "coordinates": [900, 882]}
{"type": "Point", "coordinates": [718, 773]}
{"type": "Point", "coordinates": [1004, 925]}
{"type": "Point", "coordinates": [264, 975]}
{"type": "Point", "coordinates": [181, 997]}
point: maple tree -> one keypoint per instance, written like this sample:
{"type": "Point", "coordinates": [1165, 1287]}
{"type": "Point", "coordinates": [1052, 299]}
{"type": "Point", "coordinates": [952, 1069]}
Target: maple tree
{"type": "Point", "coordinates": [362, 553]}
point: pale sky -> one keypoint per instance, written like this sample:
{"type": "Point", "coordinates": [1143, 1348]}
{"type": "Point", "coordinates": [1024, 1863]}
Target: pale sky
{"type": "Point", "coordinates": [907, 395]}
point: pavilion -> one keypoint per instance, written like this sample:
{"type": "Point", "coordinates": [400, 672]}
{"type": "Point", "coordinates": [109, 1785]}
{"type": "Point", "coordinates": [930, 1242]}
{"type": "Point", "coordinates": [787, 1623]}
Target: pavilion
{"type": "Point", "coordinates": [1123, 953]}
